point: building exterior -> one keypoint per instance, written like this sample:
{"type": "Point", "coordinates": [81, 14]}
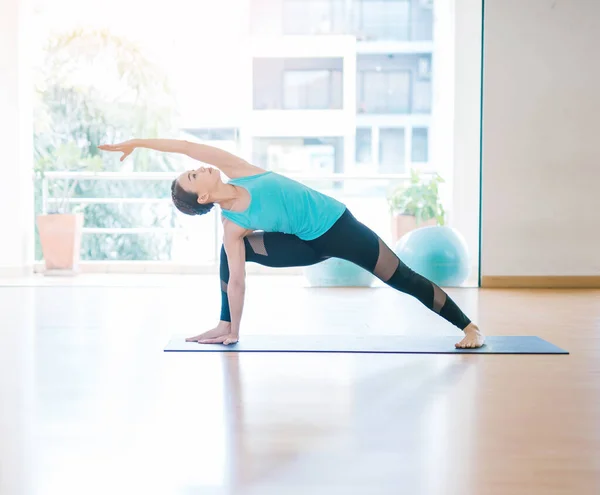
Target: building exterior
{"type": "Point", "coordinates": [360, 87]}
{"type": "Point", "coordinates": [342, 86]}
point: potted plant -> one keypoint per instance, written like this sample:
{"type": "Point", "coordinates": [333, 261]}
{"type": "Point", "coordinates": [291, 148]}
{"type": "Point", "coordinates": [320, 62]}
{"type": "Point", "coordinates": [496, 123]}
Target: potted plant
{"type": "Point", "coordinates": [61, 226]}
{"type": "Point", "coordinates": [415, 205]}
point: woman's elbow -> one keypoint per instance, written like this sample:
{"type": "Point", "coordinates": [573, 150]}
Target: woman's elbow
{"type": "Point", "coordinates": [236, 284]}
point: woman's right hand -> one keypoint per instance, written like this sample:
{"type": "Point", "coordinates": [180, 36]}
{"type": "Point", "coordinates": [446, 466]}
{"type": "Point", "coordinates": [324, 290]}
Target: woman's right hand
{"type": "Point", "coordinates": [126, 148]}
{"type": "Point", "coordinates": [223, 329]}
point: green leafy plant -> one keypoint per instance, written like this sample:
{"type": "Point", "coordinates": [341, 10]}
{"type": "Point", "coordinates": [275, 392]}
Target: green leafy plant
{"type": "Point", "coordinates": [420, 198]}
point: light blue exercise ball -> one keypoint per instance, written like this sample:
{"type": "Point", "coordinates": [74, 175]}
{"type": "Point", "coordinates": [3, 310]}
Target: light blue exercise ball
{"type": "Point", "coordinates": [335, 272]}
{"type": "Point", "coordinates": [440, 254]}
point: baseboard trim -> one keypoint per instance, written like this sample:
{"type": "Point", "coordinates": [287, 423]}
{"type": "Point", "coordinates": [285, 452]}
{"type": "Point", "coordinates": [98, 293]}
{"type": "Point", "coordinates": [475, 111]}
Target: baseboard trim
{"type": "Point", "coordinates": [15, 271]}
{"type": "Point", "coordinates": [158, 267]}
{"type": "Point", "coordinates": [541, 282]}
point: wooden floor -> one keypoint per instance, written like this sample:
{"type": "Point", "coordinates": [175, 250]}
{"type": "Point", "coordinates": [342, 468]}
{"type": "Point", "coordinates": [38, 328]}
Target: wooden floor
{"type": "Point", "coordinates": [91, 405]}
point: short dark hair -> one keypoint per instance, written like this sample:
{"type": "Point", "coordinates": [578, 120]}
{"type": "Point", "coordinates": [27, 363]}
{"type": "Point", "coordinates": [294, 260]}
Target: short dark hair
{"type": "Point", "coordinates": [187, 202]}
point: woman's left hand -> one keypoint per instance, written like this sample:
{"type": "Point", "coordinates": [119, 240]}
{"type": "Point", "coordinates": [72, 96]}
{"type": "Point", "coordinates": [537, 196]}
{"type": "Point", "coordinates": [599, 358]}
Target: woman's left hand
{"type": "Point", "coordinates": [126, 148]}
{"type": "Point", "coordinates": [223, 339]}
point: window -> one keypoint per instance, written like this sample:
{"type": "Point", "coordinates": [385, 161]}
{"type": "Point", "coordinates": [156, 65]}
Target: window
{"type": "Point", "coordinates": [422, 88]}
{"type": "Point", "coordinates": [303, 17]}
{"type": "Point", "coordinates": [238, 104]}
{"type": "Point", "coordinates": [422, 97]}
{"type": "Point", "coordinates": [383, 19]}
{"type": "Point", "coordinates": [391, 151]}
{"type": "Point", "coordinates": [384, 92]}
{"type": "Point", "coordinates": [420, 145]}
{"type": "Point", "coordinates": [312, 89]}
{"type": "Point", "coordinates": [424, 68]}
{"type": "Point", "coordinates": [422, 21]}
{"type": "Point", "coordinates": [363, 145]}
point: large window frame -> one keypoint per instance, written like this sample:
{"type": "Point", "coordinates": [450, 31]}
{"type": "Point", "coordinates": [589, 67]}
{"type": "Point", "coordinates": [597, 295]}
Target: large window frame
{"type": "Point", "coordinates": [329, 105]}
{"type": "Point", "coordinates": [362, 85]}
{"type": "Point", "coordinates": [361, 9]}
{"type": "Point", "coordinates": [337, 19]}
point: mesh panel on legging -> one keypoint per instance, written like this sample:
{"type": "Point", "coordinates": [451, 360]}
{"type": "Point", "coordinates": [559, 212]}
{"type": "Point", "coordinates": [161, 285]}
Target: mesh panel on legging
{"type": "Point", "coordinates": [353, 241]}
{"type": "Point", "coordinates": [257, 243]}
{"type": "Point", "coordinates": [271, 249]}
{"type": "Point", "coordinates": [387, 264]}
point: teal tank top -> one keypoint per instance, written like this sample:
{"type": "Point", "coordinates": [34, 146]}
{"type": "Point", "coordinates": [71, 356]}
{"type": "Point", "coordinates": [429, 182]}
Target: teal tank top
{"type": "Point", "coordinates": [281, 204]}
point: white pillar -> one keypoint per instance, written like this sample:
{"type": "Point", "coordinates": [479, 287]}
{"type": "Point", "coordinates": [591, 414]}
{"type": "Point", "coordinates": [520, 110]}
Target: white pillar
{"type": "Point", "coordinates": [441, 130]}
{"type": "Point", "coordinates": [16, 140]}
{"type": "Point", "coordinates": [16, 230]}
{"type": "Point", "coordinates": [467, 117]}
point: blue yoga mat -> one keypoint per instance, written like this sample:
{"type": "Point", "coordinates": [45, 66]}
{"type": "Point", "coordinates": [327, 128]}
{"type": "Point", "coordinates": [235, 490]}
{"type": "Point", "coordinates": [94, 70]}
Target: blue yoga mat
{"type": "Point", "coordinates": [369, 344]}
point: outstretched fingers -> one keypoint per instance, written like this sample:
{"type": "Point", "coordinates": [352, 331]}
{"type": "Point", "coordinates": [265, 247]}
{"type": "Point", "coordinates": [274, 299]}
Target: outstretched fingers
{"type": "Point", "coordinates": [471, 341]}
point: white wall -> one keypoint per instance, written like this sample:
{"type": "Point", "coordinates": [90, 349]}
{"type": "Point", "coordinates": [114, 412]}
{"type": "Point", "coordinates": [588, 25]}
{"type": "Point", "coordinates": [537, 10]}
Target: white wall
{"type": "Point", "coordinates": [16, 197]}
{"type": "Point", "coordinates": [541, 171]}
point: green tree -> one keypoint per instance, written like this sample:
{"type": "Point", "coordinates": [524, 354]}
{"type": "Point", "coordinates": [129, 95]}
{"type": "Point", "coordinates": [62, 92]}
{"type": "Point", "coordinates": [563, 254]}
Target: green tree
{"type": "Point", "coordinates": [94, 87]}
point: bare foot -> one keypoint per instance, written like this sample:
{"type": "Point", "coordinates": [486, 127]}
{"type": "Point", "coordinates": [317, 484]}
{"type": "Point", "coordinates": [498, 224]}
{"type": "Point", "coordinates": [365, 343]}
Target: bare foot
{"type": "Point", "coordinates": [473, 338]}
{"type": "Point", "coordinates": [223, 328]}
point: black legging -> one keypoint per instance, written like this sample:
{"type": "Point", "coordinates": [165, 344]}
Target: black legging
{"type": "Point", "coordinates": [350, 240]}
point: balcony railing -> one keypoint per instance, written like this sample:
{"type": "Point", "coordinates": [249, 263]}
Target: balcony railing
{"type": "Point", "coordinates": [339, 184]}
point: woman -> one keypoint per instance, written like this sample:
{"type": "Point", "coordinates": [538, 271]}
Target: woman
{"type": "Point", "coordinates": [275, 221]}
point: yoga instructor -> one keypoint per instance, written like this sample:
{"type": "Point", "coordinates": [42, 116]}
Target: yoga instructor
{"type": "Point", "coordinates": [275, 221]}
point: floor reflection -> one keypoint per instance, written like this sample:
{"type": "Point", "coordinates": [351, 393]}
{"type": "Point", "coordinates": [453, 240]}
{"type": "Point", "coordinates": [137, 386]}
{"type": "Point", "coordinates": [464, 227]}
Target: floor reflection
{"type": "Point", "coordinates": [90, 403]}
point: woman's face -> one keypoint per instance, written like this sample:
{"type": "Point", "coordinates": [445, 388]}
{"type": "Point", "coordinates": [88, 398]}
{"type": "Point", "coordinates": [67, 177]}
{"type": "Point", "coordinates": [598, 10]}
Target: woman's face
{"type": "Point", "coordinates": [202, 181]}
